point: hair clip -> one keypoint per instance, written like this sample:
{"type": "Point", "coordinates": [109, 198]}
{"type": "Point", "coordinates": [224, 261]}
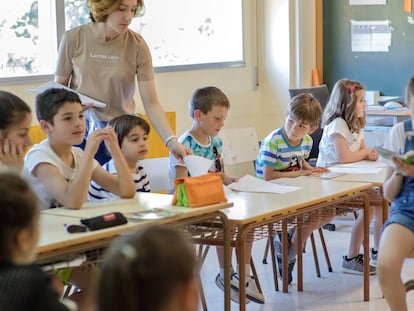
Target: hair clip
{"type": "Point", "coordinates": [129, 252]}
{"type": "Point", "coordinates": [352, 88]}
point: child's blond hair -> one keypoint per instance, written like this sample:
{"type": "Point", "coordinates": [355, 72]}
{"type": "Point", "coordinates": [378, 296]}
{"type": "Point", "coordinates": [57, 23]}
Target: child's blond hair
{"type": "Point", "coordinates": [205, 98]}
{"type": "Point", "coordinates": [305, 108]}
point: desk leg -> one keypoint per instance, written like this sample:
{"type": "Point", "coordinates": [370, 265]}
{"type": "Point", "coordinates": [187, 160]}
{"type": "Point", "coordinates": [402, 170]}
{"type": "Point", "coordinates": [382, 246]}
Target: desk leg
{"type": "Point", "coordinates": [285, 281]}
{"type": "Point", "coordinates": [366, 246]}
{"type": "Point", "coordinates": [227, 263]}
{"type": "Point", "coordinates": [242, 275]}
{"type": "Point", "coordinates": [300, 255]}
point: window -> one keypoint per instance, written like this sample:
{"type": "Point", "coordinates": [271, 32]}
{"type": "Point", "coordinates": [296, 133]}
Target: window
{"type": "Point", "coordinates": [210, 36]}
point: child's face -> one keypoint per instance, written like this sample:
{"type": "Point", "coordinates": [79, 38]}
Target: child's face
{"type": "Point", "coordinates": [360, 105]}
{"type": "Point", "coordinates": [68, 124]}
{"type": "Point", "coordinates": [212, 121]}
{"type": "Point", "coordinates": [19, 132]}
{"type": "Point", "coordinates": [295, 130]}
{"type": "Point", "coordinates": [135, 145]}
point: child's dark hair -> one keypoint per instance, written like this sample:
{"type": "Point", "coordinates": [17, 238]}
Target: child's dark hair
{"type": "Point", "coordinates": [143, 270]}
{"type": "Point", "coordinates": [409, 92]}
{"type": "Point", "coordinates": [124, 123]}
{"type": "Point", "coordinates": [18, 208]}
{"type": "Point", "coordinates": [342, 103]}
{"type": "Point", "coordinates": [205, 98]}
{"type": "Point", "coordinates": [12, 110]}
{"type": "Point", "coordinates": [304, 107]}
{"type": "Point", "coordinates": [49, 102]}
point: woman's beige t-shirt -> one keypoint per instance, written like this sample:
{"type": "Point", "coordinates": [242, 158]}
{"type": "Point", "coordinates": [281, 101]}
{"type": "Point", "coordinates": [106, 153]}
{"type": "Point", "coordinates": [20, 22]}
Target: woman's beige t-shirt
{"type": "Point", "coordinates": [104, 70]}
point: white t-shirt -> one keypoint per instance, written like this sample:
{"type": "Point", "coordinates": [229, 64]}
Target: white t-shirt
{"type": "Point", "coordinates": [395, 140]}
{"type": "Point", "coordinates": [97, 193]}
{"type": "Point", "coordinates": [43, 153]}
{"type": "Point", "coordinates": [327, 153]}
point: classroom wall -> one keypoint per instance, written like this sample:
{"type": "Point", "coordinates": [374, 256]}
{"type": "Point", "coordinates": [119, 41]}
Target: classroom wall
{"type": "Point", "coordinates": [387, 72]}
{"type": "Point", "coordinates": [269, 45]}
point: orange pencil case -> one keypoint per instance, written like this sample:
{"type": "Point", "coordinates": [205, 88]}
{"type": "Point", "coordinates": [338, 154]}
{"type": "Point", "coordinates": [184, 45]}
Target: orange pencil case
{"type": "Point", "coordinates": [198, 191]}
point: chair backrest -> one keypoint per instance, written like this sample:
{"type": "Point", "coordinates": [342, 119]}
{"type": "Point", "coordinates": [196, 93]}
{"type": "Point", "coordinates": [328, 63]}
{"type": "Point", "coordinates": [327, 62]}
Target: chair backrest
{"type": "Point", "coordinates": [240, 149]}
{"type": "Point", "coordinates": [158, 174]}
{"type": "Point", "coordinates": [321, 93]}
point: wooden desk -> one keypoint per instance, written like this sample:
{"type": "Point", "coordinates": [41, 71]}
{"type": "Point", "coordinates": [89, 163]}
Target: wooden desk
{"type": "Point", "coordinates": [397, 115]}
{"type": "Point", "coordinates": [56, 242]}
{"type": "Point", "coordinates": [377, 180]}
{"type": "Point", "coordinates": [256, 215]}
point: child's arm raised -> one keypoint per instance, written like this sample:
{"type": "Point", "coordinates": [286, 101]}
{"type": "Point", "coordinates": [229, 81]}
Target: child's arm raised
{"type": "Point", "coordinates": [71, 194]}
{"type": "Point", "coordinates": [121, 184]}
{"type": "Point", "coordinates": [346, 156]}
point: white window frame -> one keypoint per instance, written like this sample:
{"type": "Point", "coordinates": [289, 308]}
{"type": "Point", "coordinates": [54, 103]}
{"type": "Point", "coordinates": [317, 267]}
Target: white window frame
{"type": "Point", "coordinates": [57, 8]}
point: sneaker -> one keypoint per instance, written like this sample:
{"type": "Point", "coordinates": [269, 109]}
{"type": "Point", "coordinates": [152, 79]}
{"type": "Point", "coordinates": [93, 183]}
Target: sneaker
{"type": "Point", "coordinates": [252, 292]}
{"type": "Point", "coordinates": [234, 293]}
{"type": "Point", "coordinates": [374, 257]}
{"type": "Point", "coordinates": [356, 265]}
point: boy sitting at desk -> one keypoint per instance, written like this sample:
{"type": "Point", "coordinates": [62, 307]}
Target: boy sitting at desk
{"type": "Point", "coordinates": [60, 173]}
{"type": "Point", "coordinates": [208, 109]}
{"type": "Point", "coordinates": [283, 153]}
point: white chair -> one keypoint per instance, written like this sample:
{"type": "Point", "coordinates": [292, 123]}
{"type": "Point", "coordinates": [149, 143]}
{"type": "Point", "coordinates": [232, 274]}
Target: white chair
{"type": "Point", "coordinates": [158, 174]}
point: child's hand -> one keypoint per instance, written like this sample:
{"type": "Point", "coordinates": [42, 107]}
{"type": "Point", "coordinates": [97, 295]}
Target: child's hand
{"type": "Point", "coordinates": [111, 140]}
{"type": "Point", "coordinates": [320, 169]}
{"type": "Point", "coordinates": [404, 168]}
{"type": "Point", "coordinates": [11, 154]}
{"type": "Point", "coordinates": [94, 139]}
{"type": "Point", "coordinates": [373, 155]}
{"type": "Point", "coordinates": [306, 172]}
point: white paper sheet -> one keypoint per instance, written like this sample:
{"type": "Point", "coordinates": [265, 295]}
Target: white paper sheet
{"type": "Point", "coordinates": [250, 183]}
{"type": "Point", "coordinates": [52, 84]}
{"type": "Point", "coordinates": [361, 164]}
{"type": "Point", "coordinates": [355, 170]}
{"type": "Point", "coordinates": [197, 165]}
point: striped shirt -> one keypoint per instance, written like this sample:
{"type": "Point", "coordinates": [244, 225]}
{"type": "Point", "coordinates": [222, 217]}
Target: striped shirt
{"type": "Point", "coordinates": [97, 193]}
{"type": "Point", "coordinates": [275, 151]}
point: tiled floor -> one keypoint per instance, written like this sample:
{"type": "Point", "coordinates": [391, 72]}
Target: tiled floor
{"type": "Point", "coordinates": [332, 291]}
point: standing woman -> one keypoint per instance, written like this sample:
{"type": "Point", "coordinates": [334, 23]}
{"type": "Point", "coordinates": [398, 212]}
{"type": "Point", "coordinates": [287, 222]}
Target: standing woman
{"type": "Point", "coordinates": [101, 59]}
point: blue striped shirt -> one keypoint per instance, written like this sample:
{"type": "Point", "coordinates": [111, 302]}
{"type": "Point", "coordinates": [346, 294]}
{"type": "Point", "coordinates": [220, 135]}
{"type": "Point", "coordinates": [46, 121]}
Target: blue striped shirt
{"type": "Point", "coordinates": [97, 193]}
{"type": "Point", "coordinates": [275, 151]}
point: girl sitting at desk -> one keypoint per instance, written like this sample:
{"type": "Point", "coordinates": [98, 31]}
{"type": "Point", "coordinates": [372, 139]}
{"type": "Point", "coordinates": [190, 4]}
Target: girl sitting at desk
{"type": "Point", "coordinates": [343, 142]}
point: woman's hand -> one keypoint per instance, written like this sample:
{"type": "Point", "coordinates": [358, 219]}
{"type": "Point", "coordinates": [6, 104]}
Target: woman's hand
{"type": "Point", "coordinates": [177, 149]}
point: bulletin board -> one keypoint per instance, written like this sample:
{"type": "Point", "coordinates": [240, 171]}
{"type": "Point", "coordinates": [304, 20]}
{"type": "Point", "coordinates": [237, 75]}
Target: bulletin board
{"type": "Point", "coordinates": [387, 72]}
